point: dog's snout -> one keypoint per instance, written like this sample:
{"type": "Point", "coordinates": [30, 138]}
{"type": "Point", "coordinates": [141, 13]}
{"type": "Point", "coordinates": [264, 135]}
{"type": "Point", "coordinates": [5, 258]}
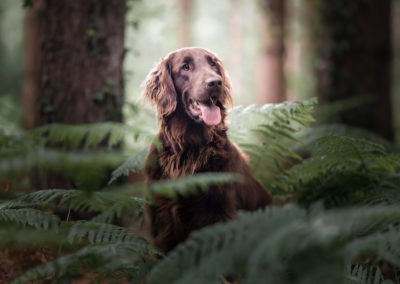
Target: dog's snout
{"type": "Point", "coordinates": [214, 83]}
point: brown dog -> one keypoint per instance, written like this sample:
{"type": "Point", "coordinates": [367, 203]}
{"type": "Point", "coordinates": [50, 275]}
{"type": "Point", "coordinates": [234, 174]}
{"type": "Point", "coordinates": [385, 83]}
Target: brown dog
{"type": "Point", "coordinates": [191, 90]}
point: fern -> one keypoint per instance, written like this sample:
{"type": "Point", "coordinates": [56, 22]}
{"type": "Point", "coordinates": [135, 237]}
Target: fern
{"type": "Point", "coordinates": [107, 205]}
{"type": "Point", "coordinates": [98, 233]}
{"type": "Point", "coordinates": [342, 170]}
{"type": "Point", "coordinates": [318, 131]}
{"type": "Point", "coordinates": [190, 185]}
{"type": "Point", "coordinates": [90, 135]}
{"type": "Point", "coordinates": [364, 275]}
{"type": "Point", "coordinates": [43, 197]}
{"type": "Point", "coordinates": [279, 245]}
{"type": "Point", "coordinates": [267, 134]}
{"type": "Point", "coordinates": [24, 237]}
{"type": "Point", "coordinates": [107, 201]}
{"type": "Point", "coordinates": [356, 148]}
{"type": "Point", "coordinates": [16, 143]}
{"type": "Point", "coordinates": [86, 169]}
{"type": "Point", "coordinates": [110, 259]}
{"type": "Point", "coordinates": [31, 217]}
{"type": "Point", "coordinates": [133, 164]}
{"type": "Point", "coordinates": [115, 212]}
{"type": "Point", "coordinates": [275, 245]}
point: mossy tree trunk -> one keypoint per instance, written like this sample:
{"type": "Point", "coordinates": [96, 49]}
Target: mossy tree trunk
{"type": "Point", "coordinates": [74, 71]}
{"type": "Point", "coordinates": [353, 52]}
{"type": "Point", "coordinates": [79, 74]}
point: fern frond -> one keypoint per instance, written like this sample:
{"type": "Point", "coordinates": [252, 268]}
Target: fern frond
{"type": "Point", "coordinates": [30, 217]}
{"type": "Point", "coordinates": [68, 163]}
{"type": "Point", "coordinates": [98, 233]}
{"type": "Point", "coordinates": [134, 164]}
{"type": "Point", "coordinates": [190, 184]}
{"type": "Point", "coordinates": [342, 170]}
{"type": "Point", "coordinates": [15, 236]}
{"type": "Point", "coordinates": [364, 275]}
{"type": "Point", "coordinates": [43, 197]}
{"type": "Point", "coordinates": [318, 131]}
{"type": "Point", "coordinates": [290, 116]}
{"type": "Point", "coordinates": [108, 203]}
{"type": "Point", "coordinates": [345, 146]}
{"type": "Point", "coordinates": [279, 245]}
{"type": "Point", "coordinates": [267, 134]}
{"type": "Point", "coordinates": [16, 143]}
{"type": "Point", "coordinates": [90, 135]}
{"type": "Point", "coordinates": [108, 259]}
{"type": "Point", "coordinates": [112, 213]}
{"type": "Point", "coordinates": [384, 244]}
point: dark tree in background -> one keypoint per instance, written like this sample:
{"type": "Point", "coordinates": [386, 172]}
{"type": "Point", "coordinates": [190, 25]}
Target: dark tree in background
{"type": "Point", "coordinates": [184, 23]}
{"type": "Point", "coordinates": [353, 47]}
{"type": "Point", "coordinates": [74, 53]}
{"type": "Point", "coordinates": [271, 80]}
{"type": "Point", "coordinates": [74, 59]}
{"type": "Point", "coordinates": [235, 61]}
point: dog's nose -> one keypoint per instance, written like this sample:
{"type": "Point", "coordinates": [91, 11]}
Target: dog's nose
{"type": "Point", "coordinates": [214, 83]}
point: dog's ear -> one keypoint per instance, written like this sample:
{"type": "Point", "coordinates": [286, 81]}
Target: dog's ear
{"type": "Point", "coordinates": [159, 88]}
{"type": "Point", "coordinates": [227, 97]}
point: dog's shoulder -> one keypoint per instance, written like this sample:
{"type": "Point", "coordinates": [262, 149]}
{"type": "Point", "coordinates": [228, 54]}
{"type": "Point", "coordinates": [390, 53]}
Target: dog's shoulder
{"type": "Point", "coordinates": [152, 168]}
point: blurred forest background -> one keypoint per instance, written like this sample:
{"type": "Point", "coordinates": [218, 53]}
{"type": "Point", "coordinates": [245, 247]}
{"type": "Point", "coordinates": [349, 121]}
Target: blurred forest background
{"type": "Point", "coordinates": [346, 54]}
{"type": "Point", "coordinates": [74, 134]}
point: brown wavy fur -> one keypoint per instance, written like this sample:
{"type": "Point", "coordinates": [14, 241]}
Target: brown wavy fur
{"type": "Point", "coordinates": [190, 147]}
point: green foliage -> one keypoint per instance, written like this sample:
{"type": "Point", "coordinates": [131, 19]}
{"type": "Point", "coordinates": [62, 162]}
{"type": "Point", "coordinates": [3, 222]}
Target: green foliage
{"type": "Point", "coordinates": [322, 130]}
{"type": "Point", "coordinates": [267, 133]}
{"type": "Point", "coordinates": [109, 134]}
{"type": "Point", "coordinates": [282, 245]}
{"type": "Point", "coordinates": [28, 216]}
{"type": "Point", "coordinates": [114, 260]}
{"type": "Point", "coordinates": [95, 230]}
{"type": "Point", "coordinates": [343, 171]}
{"type": "Point", "coordinates": [190, 185]}
{"type": "Point", "coordinates": [134, 164]}
{"type": "Point", "coordinates": [359, 274]}
{"type": "Point", "coordinates": [100, 233]}
{"type": "Point", "coordinates": [94, 245]}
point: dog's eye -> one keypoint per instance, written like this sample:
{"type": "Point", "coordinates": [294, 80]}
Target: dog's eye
{"type": "Point", "coordinates": [186, 67]}
{"type": "Point", "coordinates": [212, 63]}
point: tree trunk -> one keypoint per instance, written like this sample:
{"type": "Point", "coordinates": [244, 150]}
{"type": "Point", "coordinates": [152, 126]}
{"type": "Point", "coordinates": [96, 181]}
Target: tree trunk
{"type": "Point", "coordinates": [30, 85]}
{"type": "Point", "coordinates": [271, 75]}
{"type": "Point", "coordinates": [354, 60]}
{"type": "Point", "coordinates": [184, 24]}
{"type": "Point", "coordinates": [235, 43]}
{"type": "Point", "coordinates": [299, 50]}
{"type": "Point", "coordinates": [396, 67]}
{"type": "Point", "coordinates": [80, 69]}
{"type": "Point", "coordinates": [74, 59]}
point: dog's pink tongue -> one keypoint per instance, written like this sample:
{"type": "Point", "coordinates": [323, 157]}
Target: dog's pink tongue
{"type": "Point", "coordinates": [211, 114]}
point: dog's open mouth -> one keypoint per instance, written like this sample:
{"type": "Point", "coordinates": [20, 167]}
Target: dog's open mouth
{"type": "Point", "coordinates": [209, 112]}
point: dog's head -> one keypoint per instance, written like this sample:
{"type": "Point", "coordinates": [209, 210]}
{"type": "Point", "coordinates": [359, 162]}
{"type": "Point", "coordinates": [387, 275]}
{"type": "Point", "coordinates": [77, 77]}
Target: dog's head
{"type": "Point", "coordinates": [193, 78]}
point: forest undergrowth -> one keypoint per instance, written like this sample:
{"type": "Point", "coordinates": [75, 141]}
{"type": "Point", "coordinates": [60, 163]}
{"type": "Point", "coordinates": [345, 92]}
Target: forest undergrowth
{"type": "Point", "coordinates": [335, 217]}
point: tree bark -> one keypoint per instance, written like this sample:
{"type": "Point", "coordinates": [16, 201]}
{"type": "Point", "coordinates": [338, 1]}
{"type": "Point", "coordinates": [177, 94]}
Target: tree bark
{"type": "Point", "coordinates": [73, 72]}
{"type": "Point", "coordinates": [396, 67]}
{"type": "Point", "coordinates": [80, 69]}
{"type": "Point", "coordinates": [271, 74]}
{"type": "Point", "coordinates": [235, 44]}
{"type": "Point", "coordinates": [30, 85]}
{"type": "Point", "coordinates": [354, 60]}
{"type": "Point", "coordinates": [184, 24]}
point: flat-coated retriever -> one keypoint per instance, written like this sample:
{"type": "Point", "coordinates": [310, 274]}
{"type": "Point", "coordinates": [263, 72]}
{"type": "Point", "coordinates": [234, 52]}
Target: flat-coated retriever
{"type": "Point", "coordinates": [191, 90]}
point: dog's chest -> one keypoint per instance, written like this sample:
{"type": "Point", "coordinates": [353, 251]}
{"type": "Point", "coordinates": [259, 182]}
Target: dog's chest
{"type": "Point", "coordinates": [192, 160]}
